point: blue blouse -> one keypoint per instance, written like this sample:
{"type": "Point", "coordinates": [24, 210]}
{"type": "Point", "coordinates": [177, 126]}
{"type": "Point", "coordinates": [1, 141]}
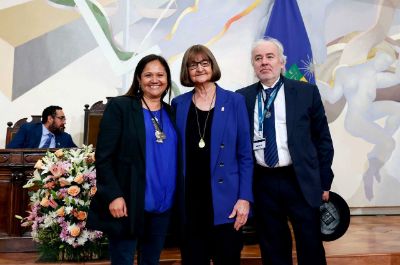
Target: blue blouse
{"type": "Point", "coordinates": [161, 163]}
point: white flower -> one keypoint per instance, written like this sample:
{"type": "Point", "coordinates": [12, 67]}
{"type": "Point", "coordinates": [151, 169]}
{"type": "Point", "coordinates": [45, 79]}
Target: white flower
{"type": "Point", "coordinates": [68, 209]}
{"type": "Point", "coordinates": [70, 240]}
{"type": "Point", "coordinates": [70, 179]}
{"type": "Point", "coordinates": [54, 188]}
{"type": "Point", "coordinates": [49, 221]}
{"type": "Point", "coordinates": [83, 237]}
{"type": "Point", "coordinates": [81, 241]}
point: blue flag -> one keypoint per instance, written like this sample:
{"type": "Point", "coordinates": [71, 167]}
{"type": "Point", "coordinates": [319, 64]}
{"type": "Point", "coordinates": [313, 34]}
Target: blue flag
{"type": "Point", "coordinates": [286, 25]}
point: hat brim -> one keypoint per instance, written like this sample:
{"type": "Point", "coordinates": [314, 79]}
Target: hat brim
{"type": "Point", "coordinates": [335, 217]}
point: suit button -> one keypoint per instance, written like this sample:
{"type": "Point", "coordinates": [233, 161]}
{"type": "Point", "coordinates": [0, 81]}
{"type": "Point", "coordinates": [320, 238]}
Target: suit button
{"type": "Point", "coordinates": [221, 164]}
{"type": "Point", "coordinates": [222, 146]}
{"type": "Point", "coordinates": [220, 181]}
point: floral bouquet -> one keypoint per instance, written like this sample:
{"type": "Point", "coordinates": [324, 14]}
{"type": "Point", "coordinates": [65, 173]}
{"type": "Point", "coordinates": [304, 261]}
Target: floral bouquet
{"type": "Point", "coordinates": [62, 186]}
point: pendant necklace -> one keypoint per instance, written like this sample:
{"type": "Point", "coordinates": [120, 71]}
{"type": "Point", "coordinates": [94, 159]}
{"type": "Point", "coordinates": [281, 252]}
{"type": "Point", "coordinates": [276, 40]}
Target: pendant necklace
{"type": "Point", "coordinates": [160, 135]}
{"type": "Point", "coordinates": [202, 143]}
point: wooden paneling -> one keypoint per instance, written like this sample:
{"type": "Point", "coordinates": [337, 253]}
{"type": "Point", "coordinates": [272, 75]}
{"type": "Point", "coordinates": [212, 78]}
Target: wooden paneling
{"type": "Point", "coordinates": [15, 166]}
{"type": "Point", "coordinates": [12, 129]}
{"type": "Point", "coordinates": [93, 116]}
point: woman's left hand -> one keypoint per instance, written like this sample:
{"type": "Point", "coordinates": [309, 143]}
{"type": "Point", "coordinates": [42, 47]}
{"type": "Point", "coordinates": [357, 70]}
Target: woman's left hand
{"type": "Point", "coordinates": [241, 211]}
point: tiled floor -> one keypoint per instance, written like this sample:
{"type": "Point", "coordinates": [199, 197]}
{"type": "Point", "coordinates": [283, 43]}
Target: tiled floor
{"type": "Point", "coordinates": [370, 240]}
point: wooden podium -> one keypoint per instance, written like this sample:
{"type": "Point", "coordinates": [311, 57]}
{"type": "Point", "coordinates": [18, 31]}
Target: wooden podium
{"type": "Point", "coordinates": [15, 167]}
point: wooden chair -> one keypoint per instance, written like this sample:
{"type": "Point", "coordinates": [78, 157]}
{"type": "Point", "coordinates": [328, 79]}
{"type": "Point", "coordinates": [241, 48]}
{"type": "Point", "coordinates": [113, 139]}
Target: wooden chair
{"type": "Point", "coordinates": [92, 120]}
{"type": "Point", "coordinates": [12, 130]}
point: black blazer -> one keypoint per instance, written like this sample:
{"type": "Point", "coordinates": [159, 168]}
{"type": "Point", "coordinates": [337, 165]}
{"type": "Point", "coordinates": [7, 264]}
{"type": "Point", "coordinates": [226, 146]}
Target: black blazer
{"type": "Point", "coordinates": [120, 167]}
{"type": "Point", "coordinates": [309, 140]}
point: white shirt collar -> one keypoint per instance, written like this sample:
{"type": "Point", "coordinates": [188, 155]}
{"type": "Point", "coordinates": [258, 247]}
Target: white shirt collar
{"type": "Point", "coordinates": [266, 87]}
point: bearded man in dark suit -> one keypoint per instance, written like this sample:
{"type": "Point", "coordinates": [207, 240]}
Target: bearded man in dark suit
{"type": "Point", "coordinates": [47, 134]}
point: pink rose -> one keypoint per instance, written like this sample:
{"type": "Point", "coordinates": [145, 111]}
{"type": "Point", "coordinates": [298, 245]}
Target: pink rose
{"type": "Point", "coordinates": [63, 182]}
{"type": "Point", "coordinates": [75, 230]}
{"type": "Point", "coordinates": [59, 153]}
{"type": "Point", "coordinates": [49, 185]}
{"type": "Point", "coordinates": [79, 178]}
{"type": "Point", "coordinates": [80, 215]}
{"type": "Point", "coordinates": [57, 170]}
{"type": "Point", "coordinates": [45, 202]}
{"type": "Point", "coordinates": [73, 190]}
{"type": "Point", "coordinates": [90, 158]}
{"type": "Point", "coordinates": [61, 211]}
{"type": "Point", "coordinates": [93, 191]}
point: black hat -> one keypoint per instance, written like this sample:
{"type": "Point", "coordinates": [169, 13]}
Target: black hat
{"type": "Point", "coordinates": [335, 217]}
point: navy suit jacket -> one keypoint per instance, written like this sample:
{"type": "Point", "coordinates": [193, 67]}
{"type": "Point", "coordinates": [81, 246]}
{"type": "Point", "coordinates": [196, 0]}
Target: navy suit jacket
{"type": "Point", "coordinates": [309, 140]}
{"type": "Point", "coordinates": [231, 163]}
{"type": "Point", "coordinates": [29, 135]}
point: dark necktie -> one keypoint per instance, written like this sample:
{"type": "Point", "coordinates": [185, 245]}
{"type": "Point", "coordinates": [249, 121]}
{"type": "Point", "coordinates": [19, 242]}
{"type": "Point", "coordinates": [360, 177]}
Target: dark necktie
{"type": "Point", "coordinates": [48, 140]}
{"type": "Point", "coordinates": [271, 150]}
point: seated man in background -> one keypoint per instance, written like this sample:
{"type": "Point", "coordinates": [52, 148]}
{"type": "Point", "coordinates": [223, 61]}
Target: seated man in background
{"type": "Point", "coordinates": [48, 134]}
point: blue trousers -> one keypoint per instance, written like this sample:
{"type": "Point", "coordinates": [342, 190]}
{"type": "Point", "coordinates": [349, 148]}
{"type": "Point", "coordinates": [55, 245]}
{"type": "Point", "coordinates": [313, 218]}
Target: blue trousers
{"type": "Point", "coordinates": [149, 245]}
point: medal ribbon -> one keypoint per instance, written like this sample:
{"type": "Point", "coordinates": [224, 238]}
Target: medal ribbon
{"type": "Point", "coordinates": [267, 104]}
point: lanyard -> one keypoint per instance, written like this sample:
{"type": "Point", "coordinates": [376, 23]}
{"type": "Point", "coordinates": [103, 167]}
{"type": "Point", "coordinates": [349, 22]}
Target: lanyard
{"type": "Point", "coordinates": [157, 124]}
{"type": "Point", "coordinates": [262, 114]}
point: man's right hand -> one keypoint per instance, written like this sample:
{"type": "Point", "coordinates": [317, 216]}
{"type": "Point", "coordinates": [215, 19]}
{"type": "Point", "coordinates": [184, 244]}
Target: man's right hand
{"type": "Point", "coordinates": [118, 208]}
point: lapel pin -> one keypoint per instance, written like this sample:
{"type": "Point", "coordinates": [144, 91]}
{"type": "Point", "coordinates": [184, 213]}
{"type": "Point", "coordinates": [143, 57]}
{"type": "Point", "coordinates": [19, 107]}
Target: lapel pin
{"type": "Point", "coordinates": [223, 108]}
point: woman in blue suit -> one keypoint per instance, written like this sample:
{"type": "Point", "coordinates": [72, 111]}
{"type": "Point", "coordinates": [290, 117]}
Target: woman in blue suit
{"type": "Point", "coordinates": [216, 183]}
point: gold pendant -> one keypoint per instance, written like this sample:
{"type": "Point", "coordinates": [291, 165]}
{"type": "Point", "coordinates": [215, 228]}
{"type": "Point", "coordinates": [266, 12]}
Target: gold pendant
{"type": "Point", "coordinates": [202, 143]}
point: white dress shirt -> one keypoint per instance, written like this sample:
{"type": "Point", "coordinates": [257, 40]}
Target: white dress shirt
{"type": "Point", "coordinates": [45, 135]}
{"type": "Point", "coordinates": [280, 129]}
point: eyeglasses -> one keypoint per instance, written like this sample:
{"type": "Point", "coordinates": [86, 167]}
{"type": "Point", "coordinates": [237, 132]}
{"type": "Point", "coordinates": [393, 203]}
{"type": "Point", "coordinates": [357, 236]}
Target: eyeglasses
{"type": "Point", "coordinates": [195, 65]}
{"type": "Point", "coordinates": [62, 118]}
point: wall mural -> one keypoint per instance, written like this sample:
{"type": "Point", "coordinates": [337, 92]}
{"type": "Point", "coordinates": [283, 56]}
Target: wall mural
{"type": "Point", "coordinates": [76, 52]}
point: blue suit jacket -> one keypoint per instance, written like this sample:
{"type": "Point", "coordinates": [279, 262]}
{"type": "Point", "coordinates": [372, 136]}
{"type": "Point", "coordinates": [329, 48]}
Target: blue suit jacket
{"type": "Point", "coordinates": [231, 163]}
{"type": "Point", "coordinates": [309, 139]}
{"type": "Point", "coordinates": [29, 135]}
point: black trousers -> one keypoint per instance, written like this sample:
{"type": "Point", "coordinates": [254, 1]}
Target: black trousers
{"type": "Point", "coordinates": [221, 243]}
{"type": "Point", "coordinates": [277, 199]}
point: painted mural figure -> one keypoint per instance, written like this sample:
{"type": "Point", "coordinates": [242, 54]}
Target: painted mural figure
{"type": "Point", "coordinates": [358, 84]}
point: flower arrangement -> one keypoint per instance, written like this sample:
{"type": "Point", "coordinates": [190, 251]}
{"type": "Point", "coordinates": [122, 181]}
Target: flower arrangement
{"type": "Point", "coordinates": [62, 186]}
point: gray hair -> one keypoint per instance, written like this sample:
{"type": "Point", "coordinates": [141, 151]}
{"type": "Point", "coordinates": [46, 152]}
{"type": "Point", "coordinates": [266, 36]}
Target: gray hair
{"type": "Point", "coordinates": [277, 43]}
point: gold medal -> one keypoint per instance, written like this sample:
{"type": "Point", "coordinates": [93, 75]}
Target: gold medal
{"type": "Point", "coordinates": [202, 143]}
